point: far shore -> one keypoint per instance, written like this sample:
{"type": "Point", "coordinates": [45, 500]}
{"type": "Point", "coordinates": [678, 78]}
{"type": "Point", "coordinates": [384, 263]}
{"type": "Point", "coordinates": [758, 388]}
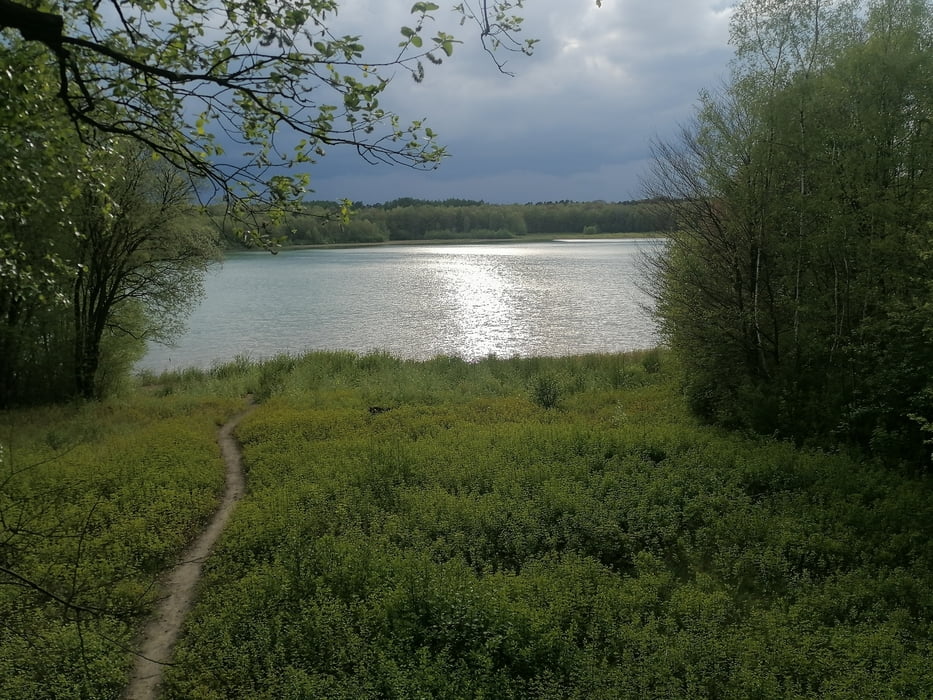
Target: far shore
{"type": "Point", "coordinates": [521, 238]}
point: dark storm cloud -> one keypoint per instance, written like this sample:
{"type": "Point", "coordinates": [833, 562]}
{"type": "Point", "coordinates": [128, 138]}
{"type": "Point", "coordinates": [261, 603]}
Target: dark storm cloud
{"type": "Point", "coordinates": [576, 120]}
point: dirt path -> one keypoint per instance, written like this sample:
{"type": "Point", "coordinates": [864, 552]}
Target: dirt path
{"type": "Point", "coordinates": [159, 635]}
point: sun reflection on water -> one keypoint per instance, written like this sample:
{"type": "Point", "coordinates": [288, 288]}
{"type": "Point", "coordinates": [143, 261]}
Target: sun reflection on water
{"type": "Point", "coordinates": [482, 317]}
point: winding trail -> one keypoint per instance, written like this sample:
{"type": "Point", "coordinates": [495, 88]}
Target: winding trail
{"type": "Point", "coordinates": [158, 637]}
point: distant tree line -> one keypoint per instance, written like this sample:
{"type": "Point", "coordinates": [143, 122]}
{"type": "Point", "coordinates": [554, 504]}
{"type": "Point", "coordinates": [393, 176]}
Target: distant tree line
{"type": "Point", "coordinates": [415, 219]}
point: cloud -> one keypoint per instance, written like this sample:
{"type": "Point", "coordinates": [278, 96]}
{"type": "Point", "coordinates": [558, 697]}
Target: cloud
{"type": "Point", "coordinates": [575, 121]}
{"type": "Point", "coordinates": [517, 185]}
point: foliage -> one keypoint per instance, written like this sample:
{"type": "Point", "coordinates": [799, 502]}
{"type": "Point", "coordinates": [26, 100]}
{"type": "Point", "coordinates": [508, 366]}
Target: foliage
{"type": "Point", "coordinates": [462, 541]}
{"type": "Point", "coordinates": [37, 189]}
{"type": "Point", "coordinates": [188, 80]}
{"type": "Point", "coordinates": [796, 286]}
{"type": "Point", "coordinates": [135, 247]}
{"type": "Point", "coordinates": [412, 219]}
{"type": "Point", "coordinates": [98, 251]}
{"type": "Point", "coordinates": [545, 391]}
{"type": "Point", "coordinates": [652, 361]}
{"type": "Point", "coordinates": [96, 502]}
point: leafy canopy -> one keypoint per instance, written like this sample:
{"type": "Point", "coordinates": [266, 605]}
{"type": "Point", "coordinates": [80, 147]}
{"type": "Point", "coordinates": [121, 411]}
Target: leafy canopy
{"type": "Point", "coordinates": [189, 77]}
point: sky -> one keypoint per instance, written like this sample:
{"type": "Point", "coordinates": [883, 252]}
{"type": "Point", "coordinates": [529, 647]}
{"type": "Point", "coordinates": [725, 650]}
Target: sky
{"type": "Point", "coordinates": [574, 123]}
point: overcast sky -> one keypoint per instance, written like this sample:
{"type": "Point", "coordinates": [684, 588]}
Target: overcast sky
{"type": "Point", "coordinates": [574, 123]}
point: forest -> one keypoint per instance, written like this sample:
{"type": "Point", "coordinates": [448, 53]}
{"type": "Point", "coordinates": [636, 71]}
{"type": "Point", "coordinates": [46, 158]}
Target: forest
{"type": "Point", "coordinates": [797, 285]}
{"type": "Point", "coordinates": [411, 219]}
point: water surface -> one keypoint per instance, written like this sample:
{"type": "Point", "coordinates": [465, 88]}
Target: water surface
{"type": "Point", "coordinates": [418, 301]}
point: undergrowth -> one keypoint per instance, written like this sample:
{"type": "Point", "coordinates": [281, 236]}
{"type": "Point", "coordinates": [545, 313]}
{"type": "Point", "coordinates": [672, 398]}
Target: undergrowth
{"type": "Point", "coordinates": [550, 528]}
{"type": "Point", "coordinates": [527, 528]}
{"type": "Point", "coordinates": [96, 501]}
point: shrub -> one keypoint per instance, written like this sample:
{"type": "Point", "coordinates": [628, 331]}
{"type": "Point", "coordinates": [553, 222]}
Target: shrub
{"type": "Point", "coordinates": [545, 391]}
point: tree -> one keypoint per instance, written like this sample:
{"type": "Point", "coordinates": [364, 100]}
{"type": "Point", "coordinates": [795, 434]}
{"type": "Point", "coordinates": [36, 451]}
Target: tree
{"type": "Point", "coordinates": [92, 251]}
{"type": "Point", "coordinates": [176, 76]}
{"type": "Point", "coordinates": [133, 249]}
{"type": "Point", "coordinates": [796, 285]}
{"type": "Point", "coordinates": [37, 187]}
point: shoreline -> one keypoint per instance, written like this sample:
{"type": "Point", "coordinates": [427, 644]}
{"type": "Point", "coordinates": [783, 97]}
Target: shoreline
{"type": "Point", "coordinates": [523, 238]}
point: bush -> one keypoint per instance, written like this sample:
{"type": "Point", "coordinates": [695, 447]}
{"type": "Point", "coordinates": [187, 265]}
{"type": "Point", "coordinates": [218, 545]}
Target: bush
{"type": "Point", "coordinates": [545, 391]}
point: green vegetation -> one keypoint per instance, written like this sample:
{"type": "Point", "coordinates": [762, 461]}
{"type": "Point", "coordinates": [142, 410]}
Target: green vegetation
{"type": "Point", "coordinates": [100, 248]}
{"type": "Point", "coordinates": [190, 80]}
{"type": "Point", "coordinates": [796, 286]}
{"type": "Point", "coordinates": [542, 527]}
{"type": "Point", "coordinates": [96, 501]}
{"type": "Point", "coordinates": [467, 541]}
{"type": "Point", "coordinates": [414, 220]}
{"type": "Point", "coordinates": [548, 528]}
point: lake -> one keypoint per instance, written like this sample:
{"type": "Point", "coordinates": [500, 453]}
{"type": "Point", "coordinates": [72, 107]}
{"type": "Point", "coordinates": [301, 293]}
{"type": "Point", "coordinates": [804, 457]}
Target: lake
{"type": "Point", "coordinates": [419, 301]}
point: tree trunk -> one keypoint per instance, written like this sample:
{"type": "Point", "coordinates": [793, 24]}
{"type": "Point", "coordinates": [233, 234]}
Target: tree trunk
{"type": "Point", "coordinates": [87, 359]}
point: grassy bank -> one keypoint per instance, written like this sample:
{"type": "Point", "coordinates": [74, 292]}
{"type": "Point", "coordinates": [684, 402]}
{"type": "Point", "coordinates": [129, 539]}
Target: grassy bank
{"type": "Point", "coordinates": [509, 528]}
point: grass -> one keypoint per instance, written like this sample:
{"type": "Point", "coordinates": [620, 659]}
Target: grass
{"type": "Point", "coordinates": [96, 501]}
{"type": "Point", "coordinates": [539, 527]}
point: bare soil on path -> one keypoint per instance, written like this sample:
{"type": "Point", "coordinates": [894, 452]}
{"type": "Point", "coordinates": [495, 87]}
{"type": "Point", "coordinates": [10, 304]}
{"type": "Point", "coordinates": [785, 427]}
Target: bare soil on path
{"type": "Point", "coordinates": [157, 640]}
